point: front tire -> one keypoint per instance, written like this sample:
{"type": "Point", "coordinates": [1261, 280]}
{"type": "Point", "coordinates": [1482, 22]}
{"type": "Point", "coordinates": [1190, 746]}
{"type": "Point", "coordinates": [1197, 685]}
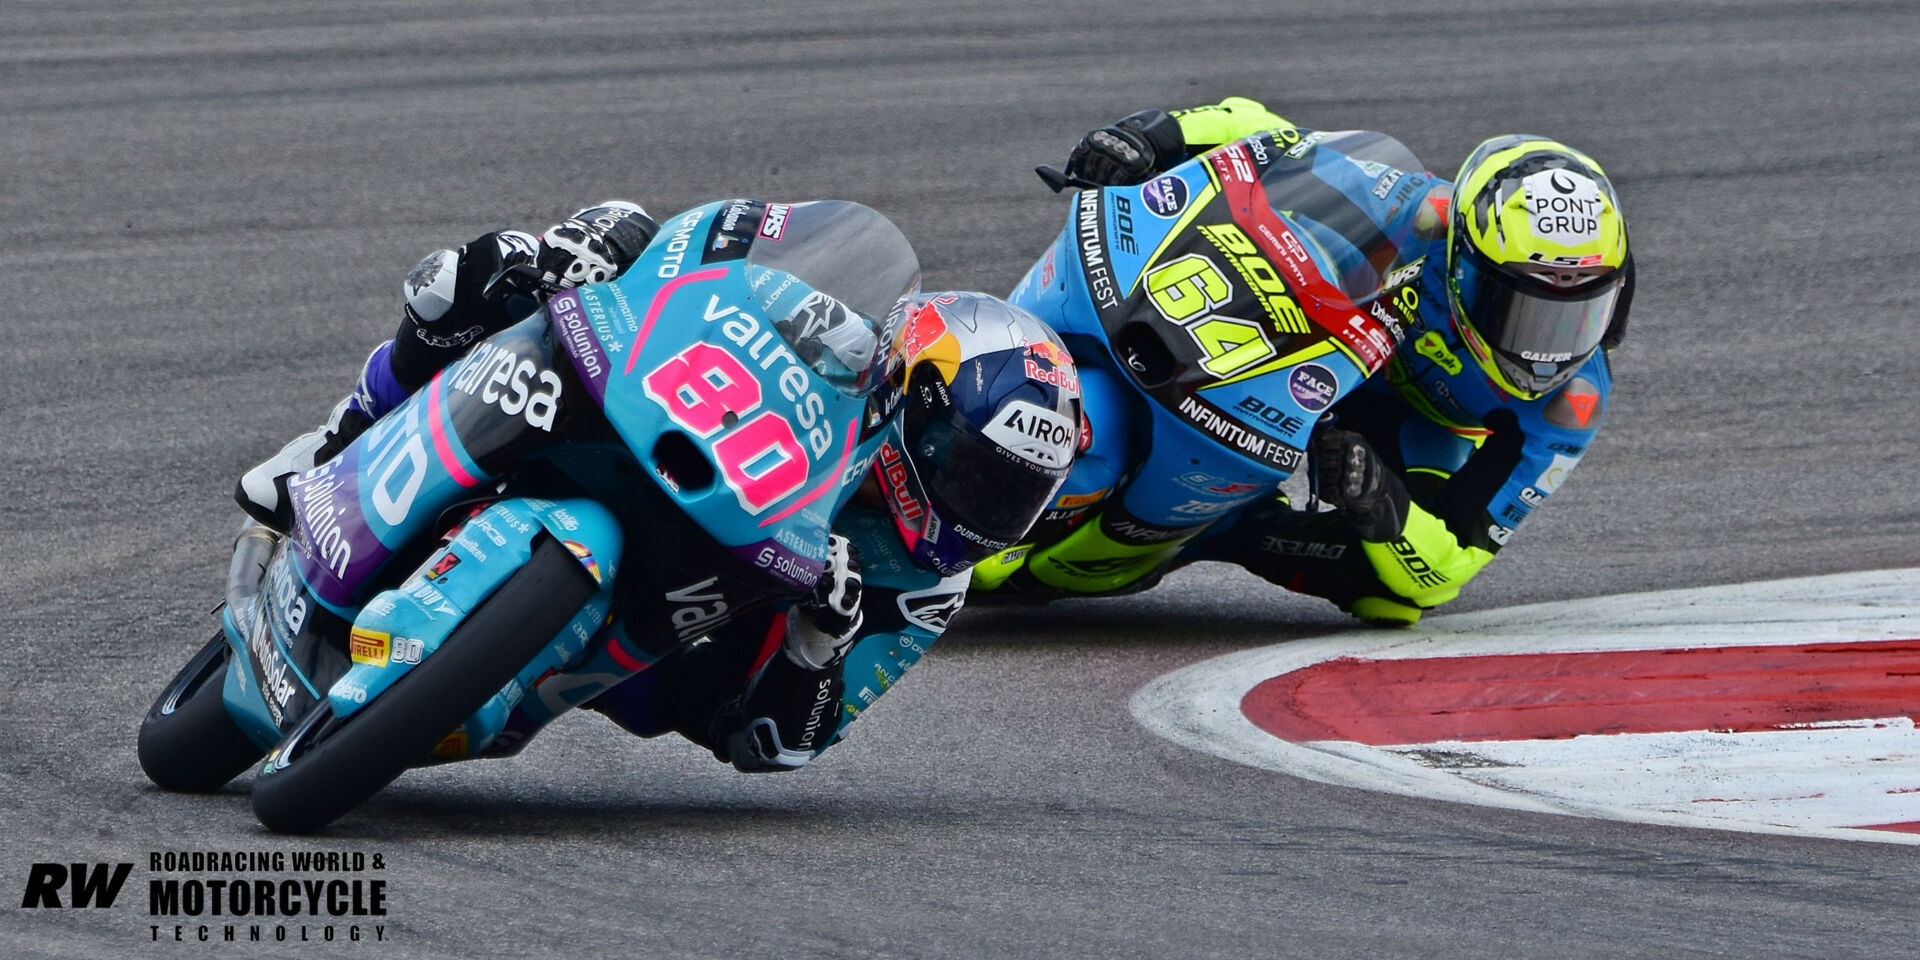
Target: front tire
{"type": "Point", "coordinates": [328, 765]}
{"type": "Point", "coordinates": [189, 743]}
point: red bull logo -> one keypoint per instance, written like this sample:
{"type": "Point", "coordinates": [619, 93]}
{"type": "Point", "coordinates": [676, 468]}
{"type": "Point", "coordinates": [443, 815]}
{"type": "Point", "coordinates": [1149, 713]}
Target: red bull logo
{"type": "Point", "coordinates": [1059, 369]}
{"type": "Point", "coordinates": [923, 330]}
{"type": "Point", "coordinates": [893, 477]}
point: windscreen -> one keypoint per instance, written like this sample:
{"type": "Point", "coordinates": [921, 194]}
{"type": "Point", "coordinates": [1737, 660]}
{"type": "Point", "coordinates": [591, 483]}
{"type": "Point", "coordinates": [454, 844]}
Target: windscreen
{"type": "Point", "coordinates": [1347, 241]}
{"type": "Point", "coordinates": [828, 274]}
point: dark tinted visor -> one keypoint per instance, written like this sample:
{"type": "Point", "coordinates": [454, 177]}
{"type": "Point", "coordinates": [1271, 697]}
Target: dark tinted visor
{"type": "Point", "coordinates": [1536, 329]}
{"type": "Point", "coordinates": [974, 485]}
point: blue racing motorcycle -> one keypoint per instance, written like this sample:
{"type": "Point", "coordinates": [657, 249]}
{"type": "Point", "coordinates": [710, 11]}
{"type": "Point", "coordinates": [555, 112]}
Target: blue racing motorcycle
{"type": "Point", "coordinates": [452, 580]}
{"type": "Point", "coordinates": [1216, 312]}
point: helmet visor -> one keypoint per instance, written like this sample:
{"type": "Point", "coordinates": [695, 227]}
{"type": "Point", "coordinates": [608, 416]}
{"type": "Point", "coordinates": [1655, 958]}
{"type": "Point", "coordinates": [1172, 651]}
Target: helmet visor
{"type": "Point", "coordinates": [1538, 336]}
{"type": "Point", "coordinates": [988, 495]}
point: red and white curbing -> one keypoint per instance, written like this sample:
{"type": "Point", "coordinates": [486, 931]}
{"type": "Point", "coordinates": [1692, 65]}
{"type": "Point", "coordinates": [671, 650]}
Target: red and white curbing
{"type": "Point", "coordinates": [1780, 707]}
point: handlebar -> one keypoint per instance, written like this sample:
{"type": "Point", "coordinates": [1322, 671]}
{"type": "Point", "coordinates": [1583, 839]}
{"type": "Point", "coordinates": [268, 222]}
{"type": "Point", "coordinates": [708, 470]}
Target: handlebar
{"type": "Point", "coordinates": [1059, 180]}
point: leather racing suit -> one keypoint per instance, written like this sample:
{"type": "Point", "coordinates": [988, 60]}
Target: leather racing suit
{"type": "Point", "coordinates": [1475, 459]}
{"type": "Point", "coordinates": [737, 691]}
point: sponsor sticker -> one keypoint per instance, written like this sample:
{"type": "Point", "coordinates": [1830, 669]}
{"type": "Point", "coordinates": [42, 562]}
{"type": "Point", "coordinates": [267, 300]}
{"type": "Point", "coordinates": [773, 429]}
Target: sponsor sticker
{"type": "Point", "coordinates": [933, 608]}
{"type": "Point", "coordinates": [774, 225]}
{"type": "Point", "coordinates": [368, 646]}
{"type": "Point", "coordinates": [1313, 386]}
{"type": "Point", "coordinates": [1564, 206]}
{"type": "Point", "coordinates": [1165, 197]}
{"type": "Point", "coordinates": [1033, 433]}
{"type": "Point", "coordinates": [1075, 500]}
{"type": "Point", "coordinates": [1555, 473]}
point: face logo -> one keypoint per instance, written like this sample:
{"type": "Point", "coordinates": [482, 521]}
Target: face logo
{"type": "Point", "coordinates": [1313, 386]}
{"type": "Point", "coordinates": [1165, 197]}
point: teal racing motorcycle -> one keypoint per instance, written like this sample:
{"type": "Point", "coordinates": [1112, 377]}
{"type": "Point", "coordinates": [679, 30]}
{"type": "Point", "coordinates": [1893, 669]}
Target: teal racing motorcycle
{"type": "Point", "coordinates": [450, 581]}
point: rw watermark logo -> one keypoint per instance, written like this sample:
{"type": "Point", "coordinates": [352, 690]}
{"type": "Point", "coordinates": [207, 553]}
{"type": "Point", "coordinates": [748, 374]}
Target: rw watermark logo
{"type": "Point", "coordinates": [86, 885]}
{"type": "Point", "coordinates": [256, 896]}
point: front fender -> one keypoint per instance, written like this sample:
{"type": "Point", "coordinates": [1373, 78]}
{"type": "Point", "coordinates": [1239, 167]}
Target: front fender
{"type": "Point", "coordinates": [401, 627]}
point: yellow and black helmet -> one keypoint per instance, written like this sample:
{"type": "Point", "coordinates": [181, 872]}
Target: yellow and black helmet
{"type": "Point", "coordinates": [1536, 259]}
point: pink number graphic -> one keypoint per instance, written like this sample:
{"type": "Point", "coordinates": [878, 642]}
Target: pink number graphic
{"type": "Point", "coordinates": [762, 461]}
{"type": "Point", "coordinates": [701, 386]}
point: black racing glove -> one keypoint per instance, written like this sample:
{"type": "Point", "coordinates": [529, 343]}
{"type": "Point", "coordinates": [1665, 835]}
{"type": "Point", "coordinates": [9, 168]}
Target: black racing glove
{"type": "Point", "coordinates": [1352, 477]}
{"type": "Point", "coordinates": [1129, 151]}
{"type": "Point", "coordinates": [595, 245]}
{"type": "Point", "coordinates": [788, 715]}
{"type": "Point", "coordinates": [792, 707]}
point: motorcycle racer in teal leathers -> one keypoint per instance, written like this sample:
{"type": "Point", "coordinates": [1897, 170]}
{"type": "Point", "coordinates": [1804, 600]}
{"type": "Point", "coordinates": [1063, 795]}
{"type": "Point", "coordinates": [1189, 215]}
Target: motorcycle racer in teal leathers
{"type": "Point", "coordinates": [1504, 289]}
{"type": "Point", "coordinates": [766, 681]}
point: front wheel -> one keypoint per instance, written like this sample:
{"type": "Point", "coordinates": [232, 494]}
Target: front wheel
{"type": "Point", "coordinates": [328, 765]}
{"type": "Point", "coordinates": [189, 742]}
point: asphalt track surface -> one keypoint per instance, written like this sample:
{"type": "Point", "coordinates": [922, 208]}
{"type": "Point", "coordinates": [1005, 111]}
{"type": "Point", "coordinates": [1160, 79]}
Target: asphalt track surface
{"type": "Point", "coordinates": [208, 209]}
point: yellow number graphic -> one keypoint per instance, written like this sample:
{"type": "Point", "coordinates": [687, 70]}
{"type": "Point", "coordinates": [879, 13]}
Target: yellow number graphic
{"type": "Point", "coordinates": [1230, 344]}
{"type": "Point", "coordinates": [1187, 287]}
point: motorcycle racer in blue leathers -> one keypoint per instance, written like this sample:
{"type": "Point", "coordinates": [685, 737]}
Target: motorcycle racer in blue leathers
{"type": "Point", "coordinates": [978, 447]}
{"type": "Point", "coordinates": [1498, 384]}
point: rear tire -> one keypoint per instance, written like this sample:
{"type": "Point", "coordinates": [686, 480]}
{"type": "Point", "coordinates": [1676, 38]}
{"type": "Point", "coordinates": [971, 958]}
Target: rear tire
{"type": "Point", "coordinates": [189, 743]}
{"type": "Point", "coordinates": [326, 766]}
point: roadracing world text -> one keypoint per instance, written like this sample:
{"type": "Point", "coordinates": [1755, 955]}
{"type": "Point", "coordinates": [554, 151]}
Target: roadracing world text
{"type": "Point", "coordinates": [250, 896]}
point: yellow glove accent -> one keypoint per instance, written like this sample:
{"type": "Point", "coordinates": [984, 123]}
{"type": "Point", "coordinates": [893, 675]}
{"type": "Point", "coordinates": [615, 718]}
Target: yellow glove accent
{"type": "Point", "coordinates": [1230, 119]}
{"type": "Point", "coordinates": [1426, 564]}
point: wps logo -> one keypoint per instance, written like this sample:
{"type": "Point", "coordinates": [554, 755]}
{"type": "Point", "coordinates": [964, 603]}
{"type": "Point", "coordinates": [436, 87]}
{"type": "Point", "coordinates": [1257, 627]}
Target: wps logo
{"type": "Point", "coordinates": [84, 885]}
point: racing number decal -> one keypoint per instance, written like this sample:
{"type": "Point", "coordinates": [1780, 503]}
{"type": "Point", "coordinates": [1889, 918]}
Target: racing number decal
{"type": "Point", "coordinates": [1230, 344]}
{"type": "Point", "coordinates": [762, 460]}
{"type": "Point", "coordinates": [402, 448]}
{"type": "Point", "coordinates": [1184, 288]}
{"type": "Point", "coordinates": [701, 386]}
{"type": "Point", "coordinates": [706, 390]}
{"type": "Point", "coordinates": [1187, 286]}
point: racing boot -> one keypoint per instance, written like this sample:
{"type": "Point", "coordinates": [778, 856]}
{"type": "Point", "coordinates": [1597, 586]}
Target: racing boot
{"type": "Point", "coordinates": [262, 491]}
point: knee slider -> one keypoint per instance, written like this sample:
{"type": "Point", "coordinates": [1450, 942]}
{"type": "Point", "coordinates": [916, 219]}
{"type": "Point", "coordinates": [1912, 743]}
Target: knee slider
{"type": "Point", "coordinates": [1382, 612]}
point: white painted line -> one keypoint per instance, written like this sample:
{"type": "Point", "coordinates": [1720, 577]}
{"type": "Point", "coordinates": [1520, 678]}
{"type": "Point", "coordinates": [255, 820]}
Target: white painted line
{"type": "Point", "coordinates": [1823, 779]}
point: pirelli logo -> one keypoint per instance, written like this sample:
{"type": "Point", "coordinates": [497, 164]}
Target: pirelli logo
{"type": "Point", "coordinates": [368, 646]}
